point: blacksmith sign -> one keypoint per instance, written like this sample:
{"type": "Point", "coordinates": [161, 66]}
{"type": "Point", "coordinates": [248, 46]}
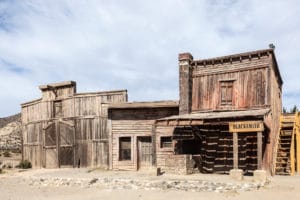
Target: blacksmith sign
{"type": "Point", "coordinates": [246, 126]}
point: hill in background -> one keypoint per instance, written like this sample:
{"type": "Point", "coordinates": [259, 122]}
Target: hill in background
{"type": "Point", "coordinates": [10, 132]}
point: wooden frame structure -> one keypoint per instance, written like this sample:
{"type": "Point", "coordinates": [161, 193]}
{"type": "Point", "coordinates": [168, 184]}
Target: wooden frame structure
{"type": "Point", "coordinates": [227, 118]}
{"type": "Point", "coordinates": [135, 121]}
{"type": "Point", "coordinates": [65, 128]}
{"type": "Point", "coordinates": [215, 93]}
{"type": "Point", "coordinates": [288, 145]}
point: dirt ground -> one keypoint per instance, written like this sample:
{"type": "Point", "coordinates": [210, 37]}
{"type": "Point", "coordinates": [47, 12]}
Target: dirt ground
{"type": "Point", "coordinates": [16, 185]}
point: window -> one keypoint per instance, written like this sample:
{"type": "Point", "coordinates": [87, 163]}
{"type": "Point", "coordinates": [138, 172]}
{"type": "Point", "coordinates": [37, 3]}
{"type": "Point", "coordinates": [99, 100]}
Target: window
{"type": "Point", "coordinates": [226, 90]}
{"type": "Point", "coordinates": [166, 142]}
{"type": "Point", "coordinates": [57, 109]}
{"type": "Point", "coordinates": [125, 148]}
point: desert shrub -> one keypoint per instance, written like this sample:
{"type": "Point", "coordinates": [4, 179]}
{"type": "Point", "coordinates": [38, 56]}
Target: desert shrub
{"type": "Point", "coordinates": [25, 164]}
{"type": "Point", "coordinates": [7, 154]}
{"type": "Point", "coordinates": [1, 171]}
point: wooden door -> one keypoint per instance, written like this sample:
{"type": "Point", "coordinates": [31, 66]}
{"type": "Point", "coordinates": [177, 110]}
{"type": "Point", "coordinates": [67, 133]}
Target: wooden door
{"type": "Point", "coordinates": [50, 159]}
{"type": "Point", "coordinates": [144, 152]}
{"type": "Point", "coordinates": [66, 143]}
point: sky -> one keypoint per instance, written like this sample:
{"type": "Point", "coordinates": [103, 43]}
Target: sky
{"type": "Point", "coordinates": [134, 44]}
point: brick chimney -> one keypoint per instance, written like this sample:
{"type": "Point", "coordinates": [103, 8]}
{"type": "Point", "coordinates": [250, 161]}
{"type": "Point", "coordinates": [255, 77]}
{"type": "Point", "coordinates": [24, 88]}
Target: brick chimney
{"type": "Point", "coordinates": [185, 83]}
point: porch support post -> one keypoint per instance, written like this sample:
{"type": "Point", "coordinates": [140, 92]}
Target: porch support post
{"type": "Point", "coordinates": [259, 150]}
{"type": "Point", "coordinates": [235, 151]}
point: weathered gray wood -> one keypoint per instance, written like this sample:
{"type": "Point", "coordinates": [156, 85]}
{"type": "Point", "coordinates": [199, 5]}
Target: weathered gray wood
{"type": "Point", "coordinates": [235, 150]}
{"type": "Point", "coordinates": [63, 119]}
{"type": "Point", "coordinates": [136, 123]}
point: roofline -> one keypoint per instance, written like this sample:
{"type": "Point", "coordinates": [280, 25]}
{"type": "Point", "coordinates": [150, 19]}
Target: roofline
{"type": "Point", "coordinates": [78, 95]}
{"type": "Point", "coordinates": [101, 92]}
{"type": "Point", "coordinates": [30, 102]}
{"type": "Point", "coordinates": [257, 52]}
{"type": "Point", "coordinates": [56, 85]}
{"type": "Point", "coordinates": [150, 104]}
{"type": "Point", "coordinates": [248, 54]}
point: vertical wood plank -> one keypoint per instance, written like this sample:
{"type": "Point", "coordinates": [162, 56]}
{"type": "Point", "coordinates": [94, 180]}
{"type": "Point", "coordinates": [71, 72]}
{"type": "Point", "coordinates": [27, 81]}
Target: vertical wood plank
{"type": "Point", "coordinates": [259, 150]}
{"type": "Point", "coordinates": [235, 151]}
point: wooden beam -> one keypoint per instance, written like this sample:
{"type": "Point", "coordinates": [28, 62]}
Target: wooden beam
{"type": "Point", "coordinates": [235, 151]}
{"type": "Point", "coordinates": [57, 135]}
{"type": "Point", "coordinates": [298, 150]}
{"type": "Point", "coordinates": [259, 150]}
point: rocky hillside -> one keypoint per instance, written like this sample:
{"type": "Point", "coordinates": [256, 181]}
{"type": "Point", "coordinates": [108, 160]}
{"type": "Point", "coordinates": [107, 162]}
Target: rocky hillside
{"type": "Point", "coordinates": [10, 132]}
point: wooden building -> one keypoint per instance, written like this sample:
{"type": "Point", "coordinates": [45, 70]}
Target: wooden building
{"type": "Point", "coordinates": [229, 113]}
{"type": "Point", "coordinates": [65, 128]}
{"type": "Point", "coordinates": [132, 131]}
{"type": "Point", "coordinates": [228, 117]}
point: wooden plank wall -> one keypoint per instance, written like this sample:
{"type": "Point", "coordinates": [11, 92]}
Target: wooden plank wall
{"type": "Point", "coordinates": [62, 92]}
{"type": "Point", "coordinates": [134, 123]}
{"type": "Point", "coordinates": [273, 119]}
{"type": "Point", "coordinates": [249, 84]}
{"type": "Point", "coordinates": [89, 114]}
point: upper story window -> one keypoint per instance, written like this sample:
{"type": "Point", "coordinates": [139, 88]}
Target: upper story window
{"type": "Point", "coordinates": [226, 93]}
{"type": "Point", "coordinates": [57, 108]}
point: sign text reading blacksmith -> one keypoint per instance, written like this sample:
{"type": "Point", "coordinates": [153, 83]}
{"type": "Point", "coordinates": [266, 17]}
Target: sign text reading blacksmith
{"type": "Point", "coordinates": [246, 126]}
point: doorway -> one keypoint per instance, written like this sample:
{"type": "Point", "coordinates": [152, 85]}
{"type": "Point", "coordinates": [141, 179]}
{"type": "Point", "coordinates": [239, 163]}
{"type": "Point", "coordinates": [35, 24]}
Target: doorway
{"type": "Point", "coordinates": [144, 152]}
{"type": "Point", "coordinates": [59, 144]}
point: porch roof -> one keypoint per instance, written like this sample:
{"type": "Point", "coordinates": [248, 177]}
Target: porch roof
{"type": "Point", "coordinates": [219, 114]}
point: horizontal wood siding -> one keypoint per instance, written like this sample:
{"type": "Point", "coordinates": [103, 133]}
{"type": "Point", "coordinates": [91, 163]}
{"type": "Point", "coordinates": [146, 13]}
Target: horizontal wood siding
{"type": "Point", "coordinates": [133, 123]}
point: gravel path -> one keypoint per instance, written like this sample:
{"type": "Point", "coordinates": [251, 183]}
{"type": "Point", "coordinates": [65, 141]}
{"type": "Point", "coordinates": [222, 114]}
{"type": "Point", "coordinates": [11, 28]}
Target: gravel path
{"type": "Point", "coordinates": [87, 184]}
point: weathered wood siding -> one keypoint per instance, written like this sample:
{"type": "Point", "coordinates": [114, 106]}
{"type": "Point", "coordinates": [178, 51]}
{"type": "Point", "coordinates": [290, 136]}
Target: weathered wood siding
{"type": "Point", "coordinates": [85, 112]}
{"type": "Point", "coordinates": [62, 92]}
{"type": "Point", "coordinates": [133, 123]}
{"type": "Point", "coordinates": [249, 77]}
{"type": "Point", "coordinates": [273, 119]}
{"type": "Point", "coordinates": [255, 81]}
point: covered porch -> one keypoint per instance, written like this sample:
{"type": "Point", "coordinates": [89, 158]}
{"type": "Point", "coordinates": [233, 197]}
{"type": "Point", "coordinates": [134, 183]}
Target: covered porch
{"type": "Point", "coordinates": [215, 142]}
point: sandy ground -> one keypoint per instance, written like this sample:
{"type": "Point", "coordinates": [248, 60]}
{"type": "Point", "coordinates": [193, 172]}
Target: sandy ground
{"type": "Point", "coordinates": [15, 185]}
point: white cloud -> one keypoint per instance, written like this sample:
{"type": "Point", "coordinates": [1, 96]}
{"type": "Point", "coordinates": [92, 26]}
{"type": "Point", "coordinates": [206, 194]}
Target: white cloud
{"type": "Point", "coordinates": [134, 44]}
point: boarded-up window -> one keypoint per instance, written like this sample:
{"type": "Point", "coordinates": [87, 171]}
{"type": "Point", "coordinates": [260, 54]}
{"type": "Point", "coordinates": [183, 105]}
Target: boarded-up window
{"type": "Point", "coordinates": [166, 142]}
{"type": "Point", "coordinates": [125, 148]}
{"type": "Point", "coordinates": [50, 135]}
{"type": "Point", "coordinates": [226, 92]}
{"type": "Point", "coordinates": [57, 109]}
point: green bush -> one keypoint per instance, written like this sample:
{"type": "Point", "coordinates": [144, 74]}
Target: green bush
{"type": "Point", "coordinates": [7, 154]}
{"type": "Point", "coordinates": [25, 164]}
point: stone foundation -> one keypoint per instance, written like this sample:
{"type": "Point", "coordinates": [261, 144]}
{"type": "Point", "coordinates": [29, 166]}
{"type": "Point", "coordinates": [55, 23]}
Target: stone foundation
{"type": "Point", "coordinates": [236, 174]}
{"type": "Point", "coordinates": [176, 164]}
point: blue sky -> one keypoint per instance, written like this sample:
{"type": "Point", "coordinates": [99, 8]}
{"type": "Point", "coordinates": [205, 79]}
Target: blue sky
{"type": "Point", "coordinates": [134, 44]}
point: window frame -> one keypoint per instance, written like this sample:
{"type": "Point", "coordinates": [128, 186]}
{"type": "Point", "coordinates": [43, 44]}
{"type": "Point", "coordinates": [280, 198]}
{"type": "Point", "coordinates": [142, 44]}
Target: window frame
{"type": "Point", "coordinates": [121, 156]}
{"type": "Point", "coordinates": [161, 142]}
{"type": "Point", "coordinates": [224, 99]}
{"type": "Point", "coordinates": [57, 108]}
